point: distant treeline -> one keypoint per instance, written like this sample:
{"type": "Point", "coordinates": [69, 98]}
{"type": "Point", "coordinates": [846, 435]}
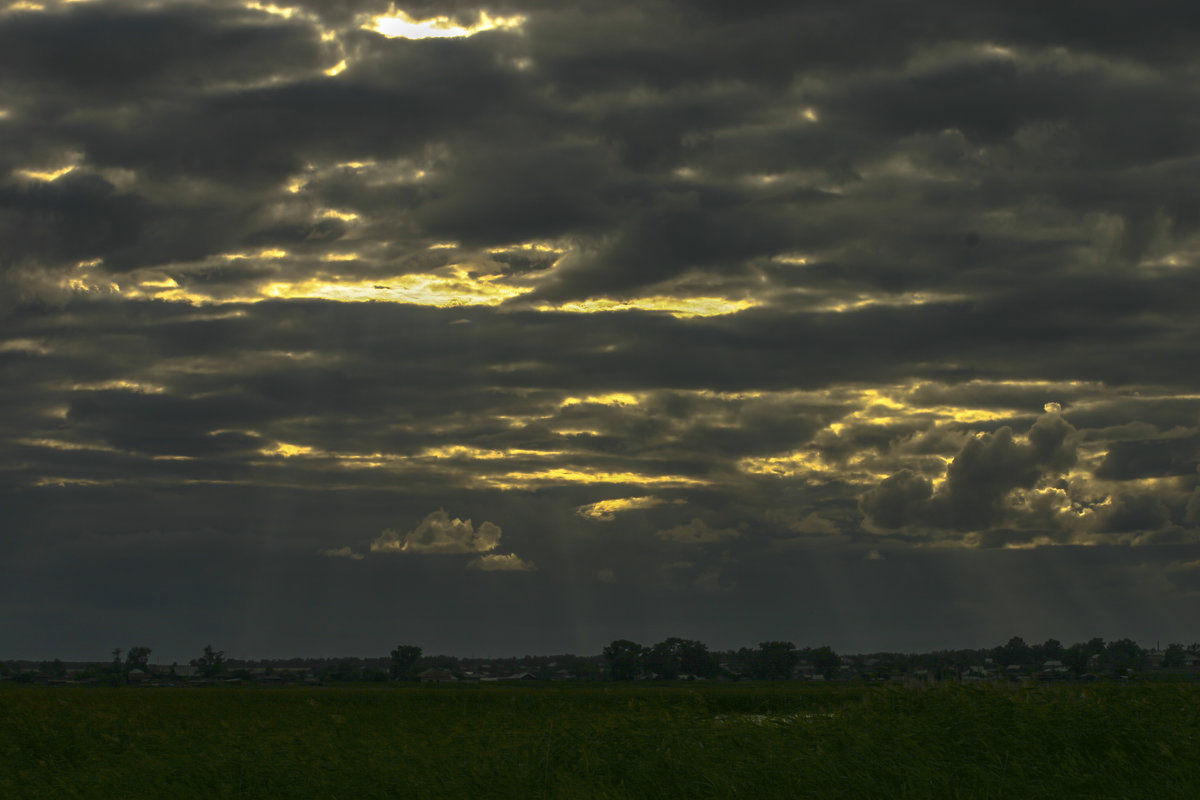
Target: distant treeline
{"type": "Point", "coordinates": [624, 660]}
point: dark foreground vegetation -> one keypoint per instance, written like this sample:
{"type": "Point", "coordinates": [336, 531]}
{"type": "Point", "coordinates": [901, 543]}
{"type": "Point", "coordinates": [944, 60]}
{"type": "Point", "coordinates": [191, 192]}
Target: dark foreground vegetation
{"type": "Point", "coordinates": [697, 740]}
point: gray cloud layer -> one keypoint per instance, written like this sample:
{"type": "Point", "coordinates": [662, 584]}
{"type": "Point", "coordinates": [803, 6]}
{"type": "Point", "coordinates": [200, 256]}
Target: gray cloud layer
{"type": "Point", "coordinates": [922, 223]}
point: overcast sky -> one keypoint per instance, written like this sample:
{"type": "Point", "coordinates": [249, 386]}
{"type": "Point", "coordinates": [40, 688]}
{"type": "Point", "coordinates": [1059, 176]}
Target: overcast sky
{"type": "Point", "coordinates": [523, 327]}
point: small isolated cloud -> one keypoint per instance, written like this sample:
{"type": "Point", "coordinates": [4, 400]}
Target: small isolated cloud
{"type": "Point", "coordinates": [495, 562]}
{"type": "Point", "coordinates": [815, 523]}
{"type": "Point", "coordinates": [606, 575]}
{"type": "Point", "coordinates": [605, 510]}
{"type": "Point", "coordinates": [709, 581]}
{"type": "Point", "coordinates": [698, 532]}
{"type": "Point", "coordinates": [439, 534]}
{"type": "Point", "coordinates": [342, 552]}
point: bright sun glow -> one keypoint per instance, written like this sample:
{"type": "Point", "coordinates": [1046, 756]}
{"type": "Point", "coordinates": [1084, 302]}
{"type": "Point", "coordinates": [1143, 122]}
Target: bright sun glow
{"type": "Point", "coordinates": [401, 25]}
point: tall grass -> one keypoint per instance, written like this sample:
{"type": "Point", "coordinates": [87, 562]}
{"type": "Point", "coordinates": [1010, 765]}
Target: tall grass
{"type": "Point", "coordinates": [756, 741]}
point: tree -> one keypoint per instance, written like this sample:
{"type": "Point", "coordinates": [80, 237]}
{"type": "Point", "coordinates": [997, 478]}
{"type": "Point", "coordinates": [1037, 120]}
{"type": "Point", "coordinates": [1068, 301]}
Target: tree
{"type": "Point", "coordinates": [1014, 652]}
{"type": "Point", "coordinates": [1174, 657]}
{"type": "Point", "coordinates": [673, 657]}
{"type": "Point", "coordinates": [624, 659]}
{"type": "Point", "coordinates": [212, 663]}
{"type": "Point", "coordinates": [116, 662]}
{"type": "Point", "coordinates": [1123, 655]}
{"type": "Point", "coordinates": [1049, 650]}
{"type": "Point", "coordinates": [694, 659]}
{"type": "Point", "coordinates": [1075, 658]}
{"type": "Point", "coordinates": [825, 661]}
{"type": "Point", "coordinates": [404, 662]}
{"type": "Point", "coordinates": [137, 658]}
{"type": "Point", "coordinates": [774, 661]}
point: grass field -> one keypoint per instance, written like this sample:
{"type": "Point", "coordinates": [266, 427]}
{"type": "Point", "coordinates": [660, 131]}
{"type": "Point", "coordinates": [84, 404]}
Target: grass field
{"type": "Point", "coordinates": [602, 741]}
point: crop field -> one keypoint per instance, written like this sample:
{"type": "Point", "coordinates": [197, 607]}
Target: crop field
{"type": "Point", "coordinates": [602, 741]}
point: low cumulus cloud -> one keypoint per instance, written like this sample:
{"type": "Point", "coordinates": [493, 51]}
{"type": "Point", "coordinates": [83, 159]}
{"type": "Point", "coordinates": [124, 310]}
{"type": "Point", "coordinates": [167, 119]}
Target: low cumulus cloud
{"type": "Point", "coordinates": [439, 534]}
{"type": "Point", "coordinates": [496, 562]}
{"type": "Point", "coordinates": [978, 481]}
{"type": "Point", "coordinates": [342, 552]}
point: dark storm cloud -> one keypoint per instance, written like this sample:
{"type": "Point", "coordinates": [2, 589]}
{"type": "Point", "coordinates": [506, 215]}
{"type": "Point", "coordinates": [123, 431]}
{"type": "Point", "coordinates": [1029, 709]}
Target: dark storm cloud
{"type": "Point", "coordinates": [978, 480]}
{"type": "Point", "coordinates": [1147, 458]}
{"type": "Point", "coordinates": [942, 218]}
{"type": "Point", "coordinates": [97, 53]}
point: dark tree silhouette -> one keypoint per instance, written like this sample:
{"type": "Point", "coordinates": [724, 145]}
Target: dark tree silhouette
{"type": "Point", "coordinates": [212, 663]}
{"type": "Point", "coordinates": [404, 662]}
{"type": "Point", "coordinates": [138, 658]}
{"type": "Point", "coordinates": [774, 661]}
{"type": "Point", "coordinates": [624, 659]}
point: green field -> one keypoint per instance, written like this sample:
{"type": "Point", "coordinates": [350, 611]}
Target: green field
{"type": "Point", "coordinates": [602, 741]}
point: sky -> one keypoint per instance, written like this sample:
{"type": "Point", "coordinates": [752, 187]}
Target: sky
{"type": "Point", "coordinates": [527, 326]}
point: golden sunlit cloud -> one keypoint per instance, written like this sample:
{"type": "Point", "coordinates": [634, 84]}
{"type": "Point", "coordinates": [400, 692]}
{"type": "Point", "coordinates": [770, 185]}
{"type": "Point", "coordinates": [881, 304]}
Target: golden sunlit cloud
{"type": "Point", "coordinates": [479, 454]}
{"type": "Point", "coordinates": [288, 450]}
{"type": "Point", "coordinates": [550, 477]}
{"type": "Point", "coordinates": [271, 8]}
{"type": "Point", "coordinates": [606, 510]}
{"type": "Point", "coordinates": [445, 288]}
{"type": "Point", "coordinates": [118, 385]}
{"type": "Point", "coordinates": [495, 562]}
{"type": "Point", "coordinates": [611, 399]}
{"type": "Point", "coordinates": [47, 175]}
{"type": "Point", "coordinates": [438, 534]}
{"type": "Point", "coordinates": [680, 307]}
{"type": "Point", "coordinates": [400, 25]}
{"type": "Point", "coordinates": [905, 299]}
{"type": "Point", "coordinates": [59, 444]}
{"type": "Point", "coordinates": [27, 346]}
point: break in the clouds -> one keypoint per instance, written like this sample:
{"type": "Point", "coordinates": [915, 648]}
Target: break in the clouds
{"type": "Point", "coordinates": [825, 321]}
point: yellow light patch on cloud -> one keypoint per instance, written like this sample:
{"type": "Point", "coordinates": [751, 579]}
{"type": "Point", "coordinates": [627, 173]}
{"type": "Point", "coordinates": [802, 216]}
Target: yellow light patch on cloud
{"type": "Point", "coordinates": [540, 246]}
{"type": "Point", "coordinates": [611, 399]}
{"type": "Point", "coordinates": [788, 465]}
{"type": "Point", "coordinates": [606, 510]}
{"type": "Point", "coordinates": [561, 476]}
{"type": "Point", "coordinates": [905, 299]}
{"type": "Point", "coordinates": [465, 452]}
{"type": "Point", "coordinates": [679, 307]}
{"type": "Point", "coordinates": [287, 450]}
{"type": "Point", "coordinates": [268, 253]}
{"type": "Point", "coordinates": [23, 5]}
{"type": "Point", "coordinates": [61, 444]}
{"type": "Point", "coordinates": [447, 287]}
{"type": "Point", "coordinates": [333, 213]}
{"type": "Point", "coordinates": [28, 346]}
{"type": "Point", "coordinates": [336, 69]}
{"type": "Point", "coordinates": [141, 387]}
{"type": "Point", "coordinates": [271, 8]}
{"type": "Point", "coordinates": [400, 25]}
{"type": "Point", "coordinates": [47, 175]}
